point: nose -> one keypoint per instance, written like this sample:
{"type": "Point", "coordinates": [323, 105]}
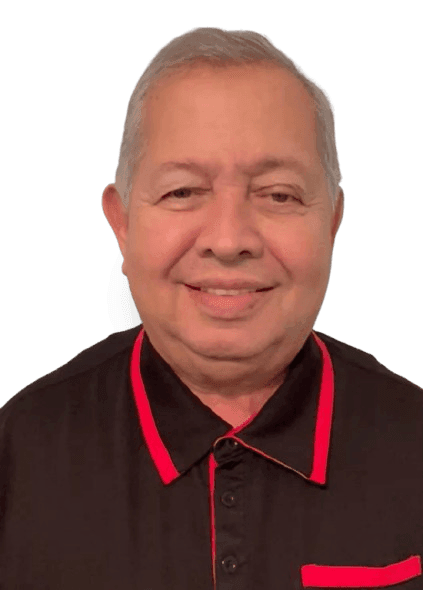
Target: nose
{"type": "Point", "coordinates": [231, 227]}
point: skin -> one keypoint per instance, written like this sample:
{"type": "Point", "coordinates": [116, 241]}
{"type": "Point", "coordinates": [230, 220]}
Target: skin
{"type": "Point", "coordinates": [233, 228]}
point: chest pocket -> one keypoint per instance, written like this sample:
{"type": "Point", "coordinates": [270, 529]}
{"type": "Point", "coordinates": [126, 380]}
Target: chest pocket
{"type": "Point", "coordinates": [330, 576]}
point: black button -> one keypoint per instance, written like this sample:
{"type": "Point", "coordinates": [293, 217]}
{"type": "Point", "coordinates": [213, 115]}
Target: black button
{"type": "Point", "coordinates": [229, 564]}
{"type": "Point", "coordinates": [228, 499]}
{"type": "Point", "coordinates": [228, 452]}
{"type": "Point", "coordinates": [228, 443]}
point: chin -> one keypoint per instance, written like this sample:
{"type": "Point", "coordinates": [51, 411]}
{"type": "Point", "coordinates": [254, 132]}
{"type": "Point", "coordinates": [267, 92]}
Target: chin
{"type": "Point", "coordinates": [224, 340]}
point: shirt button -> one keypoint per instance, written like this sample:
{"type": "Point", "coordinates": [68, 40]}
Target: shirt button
{"type": "Point", "coordinates": [232, 443]}
{"type": "Point", "coordinates": [228, 499]}
{"type": "Point", "coordinates": [229, 564]}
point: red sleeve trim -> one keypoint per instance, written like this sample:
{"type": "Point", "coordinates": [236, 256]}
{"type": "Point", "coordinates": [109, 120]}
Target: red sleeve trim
{"type": "Point", "coordinates": [325, 576]}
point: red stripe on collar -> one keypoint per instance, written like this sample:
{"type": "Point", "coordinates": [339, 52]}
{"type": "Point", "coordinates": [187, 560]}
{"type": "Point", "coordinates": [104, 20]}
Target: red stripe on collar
{"type": "Point", "coordinates": [157, 449]}
{"type": "Point", "coordinates": [324, 416]}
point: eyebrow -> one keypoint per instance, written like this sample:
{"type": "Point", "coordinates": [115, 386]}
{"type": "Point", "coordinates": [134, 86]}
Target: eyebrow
{"type": "Point", "coordinates": [256, 169]}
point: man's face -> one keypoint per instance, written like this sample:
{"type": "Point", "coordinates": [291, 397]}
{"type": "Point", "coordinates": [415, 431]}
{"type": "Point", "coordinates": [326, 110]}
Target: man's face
{"type": "Point", "coordinates": [276, 228]}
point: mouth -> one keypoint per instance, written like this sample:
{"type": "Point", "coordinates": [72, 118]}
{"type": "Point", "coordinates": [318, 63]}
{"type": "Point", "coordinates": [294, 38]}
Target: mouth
{"type": "Point", "coordinates": [229, 304]}
{"type": "Point", "coordinates": [229, 292]}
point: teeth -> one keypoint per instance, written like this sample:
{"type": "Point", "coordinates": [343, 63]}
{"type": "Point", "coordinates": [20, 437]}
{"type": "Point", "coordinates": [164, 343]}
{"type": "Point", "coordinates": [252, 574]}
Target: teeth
{"type": "Point", "coordinates": [226, 292]}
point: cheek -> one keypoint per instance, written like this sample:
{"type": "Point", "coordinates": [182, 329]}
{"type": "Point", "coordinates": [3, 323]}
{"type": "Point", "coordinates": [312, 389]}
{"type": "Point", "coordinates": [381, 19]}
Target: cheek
{"type": "Point", "coordinates": [152, 249]}
{"type": "Point", "coordinates": [304, 253]}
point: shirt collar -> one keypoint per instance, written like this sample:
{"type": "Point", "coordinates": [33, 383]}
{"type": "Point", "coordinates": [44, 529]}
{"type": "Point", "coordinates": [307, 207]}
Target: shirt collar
{"type": "Point", "coordinates": [292, 428]}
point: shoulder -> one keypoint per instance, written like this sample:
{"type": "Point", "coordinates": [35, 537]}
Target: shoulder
{"type": "Point", "coordinates": [53, 387]}
{"type": "Point", "coordinates": [364, 382]}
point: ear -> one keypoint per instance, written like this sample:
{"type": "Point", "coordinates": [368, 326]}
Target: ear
{"type": "Point", "coordinates": [117, 216]}
{"type": "Point", "coordinates": [338, 213]}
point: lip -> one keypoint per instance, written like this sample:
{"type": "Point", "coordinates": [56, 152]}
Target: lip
{"type": "Point", "coordinates": [233, 284]}
{"type": "Point", "coordinates": [228, 306]}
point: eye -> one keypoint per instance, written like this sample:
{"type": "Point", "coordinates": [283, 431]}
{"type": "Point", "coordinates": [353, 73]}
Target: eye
{"type": "Point", "coordinates": [178, 190]}
{"type": "Point", "coordinates": [284, 195]}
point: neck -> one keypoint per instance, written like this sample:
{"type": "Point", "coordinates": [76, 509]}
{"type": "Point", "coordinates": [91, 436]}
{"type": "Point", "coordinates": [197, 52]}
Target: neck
{"type": "Point", "coordinates": [236, 409]}
{"type": "Point", "coordinates": [232, 389]}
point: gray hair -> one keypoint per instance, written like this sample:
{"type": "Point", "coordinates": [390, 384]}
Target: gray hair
{"type": "Point", "coordinates": [219, 48]}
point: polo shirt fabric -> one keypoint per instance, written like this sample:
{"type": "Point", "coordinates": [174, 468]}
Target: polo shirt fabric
{"type": "Point", "coordinates": [114, 475]}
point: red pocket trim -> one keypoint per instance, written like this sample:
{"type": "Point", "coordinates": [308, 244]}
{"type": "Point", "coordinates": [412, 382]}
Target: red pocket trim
{"type": "Point", "coordinates": [333, 576]}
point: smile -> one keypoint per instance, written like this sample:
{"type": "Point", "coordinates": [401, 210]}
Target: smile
{"type": "Point", "coordinates": [224, 291]}
{"type": "Point", "coordinates": [229, 291]}
{"type": "Point", "coordinates": [228, 303]}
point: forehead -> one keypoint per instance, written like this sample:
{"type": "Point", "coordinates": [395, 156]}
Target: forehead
{"type": "Point", "coordinates": [207, 89]}
{"type": "Point", "coordinates": [256, 118]}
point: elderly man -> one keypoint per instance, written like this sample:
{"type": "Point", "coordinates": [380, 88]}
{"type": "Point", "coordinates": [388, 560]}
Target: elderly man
{"type": "Point", "coordinates": [222, 444]}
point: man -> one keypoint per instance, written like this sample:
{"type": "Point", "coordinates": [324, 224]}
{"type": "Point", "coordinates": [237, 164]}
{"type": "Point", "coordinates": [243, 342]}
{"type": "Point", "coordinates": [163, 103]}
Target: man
{"type": "Point", "coordinates": [223, 443]}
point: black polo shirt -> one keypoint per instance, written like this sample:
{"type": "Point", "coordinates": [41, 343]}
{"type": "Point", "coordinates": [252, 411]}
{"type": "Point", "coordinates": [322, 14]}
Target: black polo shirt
{"type": "Point", "coordinates": [115, 476]}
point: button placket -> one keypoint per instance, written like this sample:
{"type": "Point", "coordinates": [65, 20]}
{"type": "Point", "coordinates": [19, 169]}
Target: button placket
{"type": "Point", "coordinates": [229, 518]}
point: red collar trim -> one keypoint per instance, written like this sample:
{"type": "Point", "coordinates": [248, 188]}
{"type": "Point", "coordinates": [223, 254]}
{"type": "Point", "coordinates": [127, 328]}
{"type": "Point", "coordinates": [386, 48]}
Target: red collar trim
{"type": "Point", "coordinates": [160, 454]}
{"type": "Point", "coordinates": [324, 416]}
{"type": "Point", "coordinates": [158, 451]}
